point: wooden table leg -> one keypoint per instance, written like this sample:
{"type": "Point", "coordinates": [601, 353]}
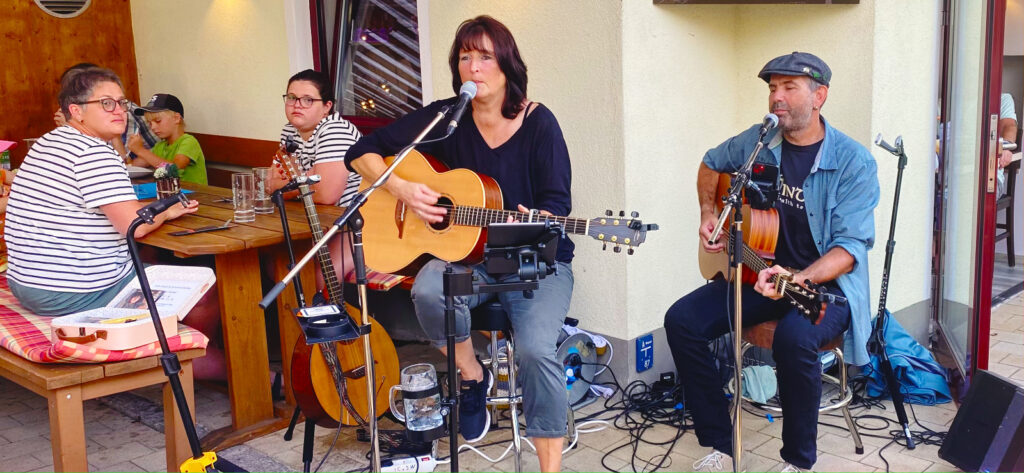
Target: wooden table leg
{"type": "Point", "coordinates": [286, 302]}
{"type": "Point", "coordinates": [245, 347]}
{"type": "Point", "coordinates": [175, 440]}
{"type": "Point", "coordinates": [67, 429]}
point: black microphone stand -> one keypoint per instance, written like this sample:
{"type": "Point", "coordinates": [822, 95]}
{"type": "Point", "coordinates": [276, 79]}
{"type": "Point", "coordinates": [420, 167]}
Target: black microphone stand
{"type": "Point", "coordinates": [877, 341]}
{"type": "Point", "coordinates": [354, 220]}
{"type": "Point", "coordinates": [734, 204]}
{"type": "Point", "coordinates": [200, 460]}
{"type": "Point", "coordinates": [310, 425]}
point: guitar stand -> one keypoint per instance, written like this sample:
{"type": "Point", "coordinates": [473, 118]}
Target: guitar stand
{"type": "Point", "coordinates": [524, 248]}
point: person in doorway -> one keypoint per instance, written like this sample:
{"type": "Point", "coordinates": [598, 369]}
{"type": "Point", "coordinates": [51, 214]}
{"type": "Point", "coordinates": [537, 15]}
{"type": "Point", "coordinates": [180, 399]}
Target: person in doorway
{"type": "Point", "coordinates": [829, 192]}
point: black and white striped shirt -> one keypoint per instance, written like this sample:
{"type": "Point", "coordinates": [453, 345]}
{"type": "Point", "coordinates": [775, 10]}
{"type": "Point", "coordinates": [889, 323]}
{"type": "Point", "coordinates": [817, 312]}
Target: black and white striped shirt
{"type": "Point", "coordinates": [330, 141]}
{"type": "Point", "coordinates": [58, 239]}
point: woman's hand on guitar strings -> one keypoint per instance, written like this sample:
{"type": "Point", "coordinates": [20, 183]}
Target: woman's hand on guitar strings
{"type": "Point", "coordinates": [419, 198]}
{"type": "Point", "coordinates": [522, 208]}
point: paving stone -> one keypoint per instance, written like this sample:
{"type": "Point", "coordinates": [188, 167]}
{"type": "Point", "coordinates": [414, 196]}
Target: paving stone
{"type": "Point", "coordinates": [828, 462]}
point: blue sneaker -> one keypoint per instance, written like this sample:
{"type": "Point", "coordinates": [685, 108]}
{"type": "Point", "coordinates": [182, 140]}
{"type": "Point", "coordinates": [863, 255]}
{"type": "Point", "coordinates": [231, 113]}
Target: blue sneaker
{"type": "Point", "coordinates": [474, 418]}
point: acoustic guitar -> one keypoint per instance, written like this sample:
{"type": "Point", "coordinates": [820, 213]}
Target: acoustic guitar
{"type": "Point", "coordinates": [398, 242]}
{"type": "Point", "coordinates": [760, 236]}
{"type": "Point", "coordinates": [330, 382]}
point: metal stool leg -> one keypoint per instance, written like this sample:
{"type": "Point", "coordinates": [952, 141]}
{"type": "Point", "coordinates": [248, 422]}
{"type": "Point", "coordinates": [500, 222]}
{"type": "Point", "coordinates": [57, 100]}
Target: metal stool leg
{"type": "Point", "coordinates": [494, 365]}
{"type": "Point", "coordinates": [858, 446]}
{"type": "Point", "coordinates": [571, 424]}
{"type": "Point", "coordinates": [513, 405]}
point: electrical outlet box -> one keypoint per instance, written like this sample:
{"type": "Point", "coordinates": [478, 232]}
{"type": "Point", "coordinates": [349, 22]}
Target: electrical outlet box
{"type": "Point", "coordinates": [644, 352]}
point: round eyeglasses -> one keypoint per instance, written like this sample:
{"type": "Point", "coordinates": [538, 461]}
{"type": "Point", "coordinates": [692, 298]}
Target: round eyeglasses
{"type": "Point", "coordinates": [306, 102]}
{"type": "Point", "coordinates": [109, 104]}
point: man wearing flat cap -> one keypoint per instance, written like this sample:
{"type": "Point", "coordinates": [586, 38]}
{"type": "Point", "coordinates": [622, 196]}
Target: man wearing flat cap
{"type": "Point", "coordinates": [825, 206]}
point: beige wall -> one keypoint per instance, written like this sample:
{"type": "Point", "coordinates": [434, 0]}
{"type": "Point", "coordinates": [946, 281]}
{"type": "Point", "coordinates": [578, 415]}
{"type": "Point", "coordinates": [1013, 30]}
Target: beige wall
{"type": "Point", "coordinates": [227, 60]}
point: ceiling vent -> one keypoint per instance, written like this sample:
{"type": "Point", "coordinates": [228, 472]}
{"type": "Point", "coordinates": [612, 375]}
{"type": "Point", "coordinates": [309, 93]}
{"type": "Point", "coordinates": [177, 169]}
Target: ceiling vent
{"type": "Point", "coordinates": [64, 8]}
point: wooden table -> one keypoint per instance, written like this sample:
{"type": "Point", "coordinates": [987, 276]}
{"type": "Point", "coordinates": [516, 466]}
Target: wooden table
{"type": "Point", "coordinates": [236, 253]}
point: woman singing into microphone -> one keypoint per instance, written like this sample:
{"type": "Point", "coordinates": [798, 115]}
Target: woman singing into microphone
{"type": "Point", "coordinates": [517, 142]}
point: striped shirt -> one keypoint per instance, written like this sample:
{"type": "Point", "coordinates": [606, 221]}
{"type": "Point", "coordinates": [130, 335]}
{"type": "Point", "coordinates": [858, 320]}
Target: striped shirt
{"type": "Point", "coordinates": [58, 239]}
{"type": "Point", "coordinates": [329, 142]}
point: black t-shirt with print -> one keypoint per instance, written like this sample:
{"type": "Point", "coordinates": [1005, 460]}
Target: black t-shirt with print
{"type": "Point", "coordinates": [795, 248]}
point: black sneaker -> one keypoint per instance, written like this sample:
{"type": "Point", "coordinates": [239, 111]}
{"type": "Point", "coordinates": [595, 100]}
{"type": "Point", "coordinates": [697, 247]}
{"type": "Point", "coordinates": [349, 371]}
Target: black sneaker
{"type": "Point", "coordinates": [474, 418]}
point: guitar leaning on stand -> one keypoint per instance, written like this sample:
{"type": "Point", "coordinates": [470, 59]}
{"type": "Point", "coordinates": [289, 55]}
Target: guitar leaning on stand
{"type": "Point", "coordinates": [319, 390]}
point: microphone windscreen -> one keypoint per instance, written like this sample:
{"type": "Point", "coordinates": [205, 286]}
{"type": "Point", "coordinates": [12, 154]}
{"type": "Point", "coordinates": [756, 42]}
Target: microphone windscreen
{"type": "Point", "coordinates": [468, 88]}
{"type": "Point", "coordinates": [771, 120]}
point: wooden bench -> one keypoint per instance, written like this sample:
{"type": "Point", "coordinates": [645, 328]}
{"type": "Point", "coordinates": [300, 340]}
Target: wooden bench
{"type": "Point", "coordinates": [67, 386]}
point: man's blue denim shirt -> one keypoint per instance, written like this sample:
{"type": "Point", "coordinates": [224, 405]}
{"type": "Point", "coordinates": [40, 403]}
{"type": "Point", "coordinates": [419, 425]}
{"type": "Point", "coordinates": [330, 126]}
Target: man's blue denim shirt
{"type": "Point", "coordinates": [840, 195]}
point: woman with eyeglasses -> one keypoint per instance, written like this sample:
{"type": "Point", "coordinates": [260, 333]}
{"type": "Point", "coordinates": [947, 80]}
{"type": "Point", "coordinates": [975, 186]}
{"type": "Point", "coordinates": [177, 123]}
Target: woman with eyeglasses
{"type": "Point", "coordinates": [323, 137]}
{"type": "Point", "coordinates": [72, 202]}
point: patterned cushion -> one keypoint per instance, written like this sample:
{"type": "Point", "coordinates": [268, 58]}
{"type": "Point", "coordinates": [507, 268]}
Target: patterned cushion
{"type": "Point", "coordinates": [28, 336]}
{"type": "Point", "coordinates": [379, 281]}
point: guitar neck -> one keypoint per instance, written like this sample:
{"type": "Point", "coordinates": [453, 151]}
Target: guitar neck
{"type": "Point", "coordinates": [481, 217]}
{"type": "Point", "coordinates": [323, 255]}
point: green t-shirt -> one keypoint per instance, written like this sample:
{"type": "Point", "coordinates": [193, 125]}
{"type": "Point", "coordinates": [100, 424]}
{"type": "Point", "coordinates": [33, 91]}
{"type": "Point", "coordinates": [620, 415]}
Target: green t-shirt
{"type": "Point", "coordinates": [189, 146]}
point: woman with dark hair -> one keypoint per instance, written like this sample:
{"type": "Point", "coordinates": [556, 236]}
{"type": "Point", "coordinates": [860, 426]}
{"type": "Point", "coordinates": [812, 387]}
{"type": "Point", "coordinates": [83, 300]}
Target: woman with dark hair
{"type": "Point", "coordinates": [323, 137]}
{"type": "Point", "coordinates": [72, 202]}
{"type": "Point", "coordinates": [518, 143]}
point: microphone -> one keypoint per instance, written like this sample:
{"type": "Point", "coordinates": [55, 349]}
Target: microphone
{"type": "Point", "coordinates": [466, 93]}
{"type": "Point", "coordinates": [149, 212]}
{"type": "Point", "coordinates": [770, 121]}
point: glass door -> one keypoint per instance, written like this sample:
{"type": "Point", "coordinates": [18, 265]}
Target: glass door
{"type": "Point", "coordinates": [965, 180]}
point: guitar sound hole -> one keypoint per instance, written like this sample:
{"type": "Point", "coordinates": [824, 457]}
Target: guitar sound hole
{"type": "Point", "coordinates": [446, 222]}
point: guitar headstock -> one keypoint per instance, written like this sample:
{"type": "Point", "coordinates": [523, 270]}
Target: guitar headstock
{"type": "Point", "coordinates": [287, 160]}
{"type": "Point", "coordinates": [620, 230]}
{"type": "Point", "coordinates": [807, 300]}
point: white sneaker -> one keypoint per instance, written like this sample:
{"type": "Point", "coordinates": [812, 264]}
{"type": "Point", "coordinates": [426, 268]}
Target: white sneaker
{"type": "Point", "coordinates": [714, 461]}
{"type": "Point", "coordinates": [790, 468]}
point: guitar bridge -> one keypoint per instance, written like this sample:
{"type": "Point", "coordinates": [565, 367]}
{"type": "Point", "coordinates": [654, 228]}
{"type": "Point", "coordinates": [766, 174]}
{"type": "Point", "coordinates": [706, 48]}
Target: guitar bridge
{"type": "Point", "coordinates": [400, 218]}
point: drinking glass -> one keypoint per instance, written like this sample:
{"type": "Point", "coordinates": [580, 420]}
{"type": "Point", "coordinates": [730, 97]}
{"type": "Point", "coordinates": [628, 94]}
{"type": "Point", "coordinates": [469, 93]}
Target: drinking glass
{"type": "Point", "coordinates": [243, 192]}
{"type": "Point", "coordinates": [420, 397]}
{"type": "Point", "coordinates": [263, 205]}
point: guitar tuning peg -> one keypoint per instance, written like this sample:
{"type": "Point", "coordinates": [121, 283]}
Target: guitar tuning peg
{"type": "Point", "coordinates": [604, 246]}
{"type": "Point", "coordinates": [634, 214]}
{"type": "Point", "coordinates": [617, 249]}
{"type": "Point", "coordinates": [608, 213]}
{"type": "Point", "coordinates": [622, 213]}
{"type": "Point", "coordinates": [629, 252]}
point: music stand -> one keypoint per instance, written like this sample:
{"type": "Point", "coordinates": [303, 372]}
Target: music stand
{"type": "Point", "coordinates": [527, 249]}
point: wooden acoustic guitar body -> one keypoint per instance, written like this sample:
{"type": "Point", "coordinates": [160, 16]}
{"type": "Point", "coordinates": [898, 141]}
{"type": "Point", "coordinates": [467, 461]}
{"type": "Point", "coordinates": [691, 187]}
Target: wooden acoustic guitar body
{"type": "Point", "coordinates": [397, 241]}
{"type": "Point", "coordinates": [316, 392]}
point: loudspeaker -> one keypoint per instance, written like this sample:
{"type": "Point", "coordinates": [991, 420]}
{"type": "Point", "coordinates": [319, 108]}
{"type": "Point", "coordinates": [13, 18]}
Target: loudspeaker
{"type": "Point", "coordinates": [987, 433]}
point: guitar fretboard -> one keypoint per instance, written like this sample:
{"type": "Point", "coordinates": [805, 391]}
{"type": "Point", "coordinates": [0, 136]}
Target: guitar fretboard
{"type": "Point", "coordinates": [481, 217]}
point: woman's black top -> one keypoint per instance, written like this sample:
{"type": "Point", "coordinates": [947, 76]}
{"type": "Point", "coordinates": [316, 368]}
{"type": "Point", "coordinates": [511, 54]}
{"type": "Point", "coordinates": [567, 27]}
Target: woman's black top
{"type": "Point", "coordinates": [532, 167]}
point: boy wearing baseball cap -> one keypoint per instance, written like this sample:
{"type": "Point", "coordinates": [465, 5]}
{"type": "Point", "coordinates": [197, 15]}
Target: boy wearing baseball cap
{"type": "Point", "coordinates": [166, 117]}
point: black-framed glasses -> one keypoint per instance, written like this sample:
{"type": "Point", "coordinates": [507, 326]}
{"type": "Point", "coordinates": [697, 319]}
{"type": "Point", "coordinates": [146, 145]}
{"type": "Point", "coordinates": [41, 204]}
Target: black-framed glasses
{"type": "Point", "coordinates": [290, 99]}
{"type": "Point", "coordinates": [109, 104]}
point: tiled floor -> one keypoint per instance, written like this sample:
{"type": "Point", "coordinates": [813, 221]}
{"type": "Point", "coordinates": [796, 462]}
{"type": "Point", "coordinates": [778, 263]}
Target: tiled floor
{"type": "Point", "coordinates": [117, 442]}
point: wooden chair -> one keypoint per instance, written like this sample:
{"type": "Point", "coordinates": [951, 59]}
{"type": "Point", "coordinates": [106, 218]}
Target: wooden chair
{"type": "Point", "coordinates": [1004, 231]}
